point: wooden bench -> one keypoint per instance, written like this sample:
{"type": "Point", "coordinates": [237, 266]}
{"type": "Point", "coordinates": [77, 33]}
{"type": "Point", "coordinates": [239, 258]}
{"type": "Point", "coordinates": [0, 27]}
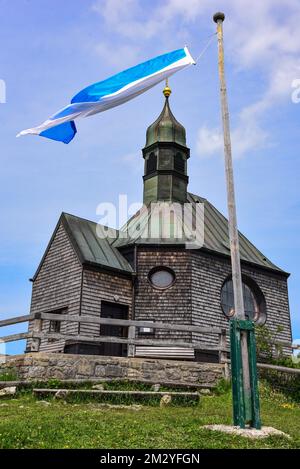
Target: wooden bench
{"type": "Point", "coordinates": [177, 353]}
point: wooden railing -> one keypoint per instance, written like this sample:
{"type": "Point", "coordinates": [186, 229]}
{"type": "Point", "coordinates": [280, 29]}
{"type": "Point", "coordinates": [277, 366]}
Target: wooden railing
{"type": "Point", "coordinates": [37, 333]}
{"type": "Point", "coordinates": [11, 322]}
{"type": "Point", "coordinates": [131, 340]}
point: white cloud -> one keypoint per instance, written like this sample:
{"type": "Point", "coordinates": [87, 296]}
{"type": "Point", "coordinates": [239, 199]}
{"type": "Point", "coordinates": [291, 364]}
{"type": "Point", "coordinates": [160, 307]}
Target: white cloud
{"type": "Point", "coordinates": [209, 141]}
{"type": "Point", "coordinates": [268, 42]}
{"type": "Point", "coordinates": [263, 36]}
{"type": "Point", "coordinates": [122, 56]}
{"type": "Point", "coordinates": [126, 17]}
{"type": "Point", "coordinates": [247, 137]}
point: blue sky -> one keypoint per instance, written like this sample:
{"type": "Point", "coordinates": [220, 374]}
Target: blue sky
{"type": "Point", "coordinates": [52, 49]}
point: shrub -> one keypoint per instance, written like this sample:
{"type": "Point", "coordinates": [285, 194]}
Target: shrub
{"type": "Point", "coordinates": [223, 387]}
{"type": "Point", "coordinates": [264, 343]}
{"type": "Point", "coordinates": [286, 383]}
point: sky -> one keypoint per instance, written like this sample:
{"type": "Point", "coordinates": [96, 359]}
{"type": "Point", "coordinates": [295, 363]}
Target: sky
{"type": "Point", "coordinates": [50, 50]}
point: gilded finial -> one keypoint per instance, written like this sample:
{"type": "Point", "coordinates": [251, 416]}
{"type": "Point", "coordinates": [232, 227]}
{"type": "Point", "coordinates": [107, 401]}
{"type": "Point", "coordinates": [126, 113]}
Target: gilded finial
{"type": "Point", "coordinates": [167, 90]}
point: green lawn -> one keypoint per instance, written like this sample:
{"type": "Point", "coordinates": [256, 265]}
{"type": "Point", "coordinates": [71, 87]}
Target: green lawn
{"type": "Point", "coordinates": [24, 423]}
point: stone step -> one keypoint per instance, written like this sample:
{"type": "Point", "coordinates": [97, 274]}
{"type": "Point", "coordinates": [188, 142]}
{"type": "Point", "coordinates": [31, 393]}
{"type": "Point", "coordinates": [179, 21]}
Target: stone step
{"type": "Point", "coordinates": [38, 392]}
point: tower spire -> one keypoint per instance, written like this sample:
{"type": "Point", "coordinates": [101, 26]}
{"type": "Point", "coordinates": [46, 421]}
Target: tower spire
{"type": "Point", "coordinates": [167, 90]}
{"type": "Point", "coordinates": [166, 155]}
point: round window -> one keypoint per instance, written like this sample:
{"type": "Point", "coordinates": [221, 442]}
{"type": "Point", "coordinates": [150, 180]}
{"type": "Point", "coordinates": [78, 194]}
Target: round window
{"type": "Point", "coordinates": [161, 277]}
{"type": "Point", "coordinates": [254, 302]}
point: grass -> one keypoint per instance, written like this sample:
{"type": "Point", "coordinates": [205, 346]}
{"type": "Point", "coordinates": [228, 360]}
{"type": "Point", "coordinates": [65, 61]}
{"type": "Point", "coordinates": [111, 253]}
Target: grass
{"type": "Point", "coordinates": [10, 375]}
{"type": "Point", "coordinates": [25, 423]}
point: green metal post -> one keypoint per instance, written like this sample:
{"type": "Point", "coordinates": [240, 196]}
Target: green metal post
{"type": "Point", "coordinates": [256, 423]}
{"type": "Point", "coordinates": [237, 375]}
{"type": "Point", "coordinates": [245, 407]}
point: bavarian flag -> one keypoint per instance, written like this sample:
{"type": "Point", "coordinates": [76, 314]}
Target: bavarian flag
{"type": "Point", "coordinates": [111, 92]}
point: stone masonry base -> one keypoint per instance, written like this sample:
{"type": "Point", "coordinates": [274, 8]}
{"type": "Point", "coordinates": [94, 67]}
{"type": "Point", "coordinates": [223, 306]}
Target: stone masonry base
{"type": "Point", "coordinates": [44, 366]}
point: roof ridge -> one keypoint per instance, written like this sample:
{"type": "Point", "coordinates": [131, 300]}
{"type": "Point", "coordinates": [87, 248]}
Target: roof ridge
{"type": "Point", "coordinates": [197, 196]}
{"type": "Point", "coordinates": [252, 247]}
{"type": "Point", "coordinates": [89, 221]}
{"type": "Point", "coordinates": [254, 250]}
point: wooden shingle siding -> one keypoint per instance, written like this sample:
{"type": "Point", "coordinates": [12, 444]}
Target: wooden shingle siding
{"type": "Point", "coordinates": [195, 297]}
{"type": "Point", "coordinates": [208, 275]}
{"type": "Point", "coordinates": [57, 285]}
{"type": "Point", "coordinates": [98, 287]}
{"type": "Point", "coordinates": [171, 305]}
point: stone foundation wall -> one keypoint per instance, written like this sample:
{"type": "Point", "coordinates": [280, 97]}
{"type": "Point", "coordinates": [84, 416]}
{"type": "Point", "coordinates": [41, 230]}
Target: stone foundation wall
{"type": "Point", "coordinates": [42, 365]}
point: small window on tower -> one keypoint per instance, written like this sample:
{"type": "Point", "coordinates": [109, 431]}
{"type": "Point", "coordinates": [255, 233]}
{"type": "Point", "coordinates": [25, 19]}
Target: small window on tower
{"type": "Point", "coordinates": [179, 163]}
{"type": "Point", "coordinates": [161, 277]}
{"type": "Point", "coordinates": [151, 165]}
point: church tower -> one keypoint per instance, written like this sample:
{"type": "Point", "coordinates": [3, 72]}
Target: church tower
{"type": "Point", "coordinates": [165, 154]}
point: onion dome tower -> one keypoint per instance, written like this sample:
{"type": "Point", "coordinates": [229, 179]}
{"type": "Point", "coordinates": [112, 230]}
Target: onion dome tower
{"type": "Point", "coordinates": [165, 154]}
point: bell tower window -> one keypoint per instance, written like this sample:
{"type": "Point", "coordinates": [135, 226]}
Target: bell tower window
{"type": "Point", "coordinates": [179, 163]}
{"type": "Point", "coordinates": [151, 164]}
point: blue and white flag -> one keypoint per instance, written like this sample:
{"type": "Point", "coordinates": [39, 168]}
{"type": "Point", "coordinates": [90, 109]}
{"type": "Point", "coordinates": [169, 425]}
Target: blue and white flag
{"type": "Point", "coordinates": [111, 92]}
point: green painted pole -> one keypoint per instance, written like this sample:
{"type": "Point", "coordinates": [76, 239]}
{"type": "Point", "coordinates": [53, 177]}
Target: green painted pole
{"type": "Point", "coordinates": [256, 423]}
{"type": "Point", "coordinates": [242, 415]}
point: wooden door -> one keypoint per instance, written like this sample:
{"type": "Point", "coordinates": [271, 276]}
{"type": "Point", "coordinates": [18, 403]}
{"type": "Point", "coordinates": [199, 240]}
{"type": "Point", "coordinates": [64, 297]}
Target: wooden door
{"type": "Point", "coordinates": [113, 311]}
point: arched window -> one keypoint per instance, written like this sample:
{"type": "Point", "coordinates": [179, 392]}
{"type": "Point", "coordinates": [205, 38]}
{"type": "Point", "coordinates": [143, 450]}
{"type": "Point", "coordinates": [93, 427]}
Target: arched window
{"type": "Point", "coordinates": [179, 163]}
{"type": "Point", "coordinates": [254, 302]}
{"type": "Point", "coordinates": [151, 164]}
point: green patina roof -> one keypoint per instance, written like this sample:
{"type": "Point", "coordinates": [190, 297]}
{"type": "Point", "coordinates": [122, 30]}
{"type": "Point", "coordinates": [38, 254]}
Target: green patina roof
{"type": "Point", "coordinates": [166, 128]}
{"type": "Point", "coordinates": [95, 247]}
{"type": "Point", "coordinates": [216, 236]}
{"type": "Point", "coordinates": [215, 233]}
{"type": "Point", "coordinates": [91, 243]}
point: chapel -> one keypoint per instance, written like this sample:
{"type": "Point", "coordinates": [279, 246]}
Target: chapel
{"type": "Point", "coordinates": [169, 263]}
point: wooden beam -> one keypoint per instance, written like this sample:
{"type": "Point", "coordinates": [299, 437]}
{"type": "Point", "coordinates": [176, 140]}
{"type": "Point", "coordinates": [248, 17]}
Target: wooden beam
{"type": "Point", "coordinates": [279, 368]}
{"type": "Point", "coordinates": [122, 340]}
{"type": "Point", "coordinates": [268, 366]}
{"type": "Point", "coordinates": [176, 384]}
{"type": "Point", "coordinates": [131, 335]}
{"type": "Point", "coordinates": [96, 392]}
{"type": "Point", "coordinates": [14, 337]}
{"type": "Point", "coordinates": [283, 343]}
{"type": "Point", "coordinates": [128, 322]}
{"type": "Point", "coordinates": [16, 320]}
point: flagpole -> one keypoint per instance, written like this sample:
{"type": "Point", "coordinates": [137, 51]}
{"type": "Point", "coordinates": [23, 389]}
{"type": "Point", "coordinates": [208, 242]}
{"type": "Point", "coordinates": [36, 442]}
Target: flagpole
{"type": "Point", "coordinates": [232, 218]}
